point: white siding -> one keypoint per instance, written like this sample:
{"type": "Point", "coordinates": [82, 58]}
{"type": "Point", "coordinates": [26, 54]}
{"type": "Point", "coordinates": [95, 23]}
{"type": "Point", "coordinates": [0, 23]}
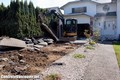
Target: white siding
{"type": "Point", "coordinates": [112, 7]}
{"type": "Point", "coordinates": [81, 18]}
{"type": "Point", "coordinates": [108, 32]}
{"type": "Point", "coordinates": [91, 7]}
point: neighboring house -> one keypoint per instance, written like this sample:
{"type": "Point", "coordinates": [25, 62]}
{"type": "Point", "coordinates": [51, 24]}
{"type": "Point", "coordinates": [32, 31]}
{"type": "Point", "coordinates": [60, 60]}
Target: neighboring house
{"type": "Point", "coordinates": [93, 14]}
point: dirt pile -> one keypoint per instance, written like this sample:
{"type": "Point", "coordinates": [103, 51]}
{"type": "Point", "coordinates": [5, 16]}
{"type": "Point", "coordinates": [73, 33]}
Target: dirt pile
{"type": "Point", "coordinates": [27, 62]}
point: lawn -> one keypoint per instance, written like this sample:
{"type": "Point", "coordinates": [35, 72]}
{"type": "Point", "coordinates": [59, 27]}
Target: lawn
{"type": "Point", "coordinates": [117, 51]}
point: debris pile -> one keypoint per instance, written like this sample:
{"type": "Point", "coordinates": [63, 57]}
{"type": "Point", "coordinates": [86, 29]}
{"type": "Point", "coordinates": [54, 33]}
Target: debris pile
{"type": "Point", "coordinates": [34, 58]}
{"type": "Point", "coordinates": [36, 44]}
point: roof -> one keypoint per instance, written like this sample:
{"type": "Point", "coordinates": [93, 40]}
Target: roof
{"type": "Point", "coordinates": [107, 14]}
{"type": "Point", "coordinates": [85, 1]}
{"type": "Point", "coordinates": [77, 2]}
{"type": "Point", "coordinates": [76, 14]}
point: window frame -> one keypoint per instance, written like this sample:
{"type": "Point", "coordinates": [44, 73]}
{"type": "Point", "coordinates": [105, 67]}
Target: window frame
{"type": "Point", "coordinates": [79, 10]}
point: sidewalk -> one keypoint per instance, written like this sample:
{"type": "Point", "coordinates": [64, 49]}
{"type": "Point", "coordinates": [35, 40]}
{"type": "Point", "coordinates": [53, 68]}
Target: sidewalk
{"type": "Point", "coordinates": [99, 64]}
{"type": "Point", "coordinates": [103, 65]}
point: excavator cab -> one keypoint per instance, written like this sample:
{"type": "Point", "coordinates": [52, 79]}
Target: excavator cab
{"type": "Point", "coordinates": [70, 29]}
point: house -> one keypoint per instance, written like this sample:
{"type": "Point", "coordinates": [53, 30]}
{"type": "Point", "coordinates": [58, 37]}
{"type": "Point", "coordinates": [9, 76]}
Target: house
{"type": "Point", "coordinates": [91, 14]}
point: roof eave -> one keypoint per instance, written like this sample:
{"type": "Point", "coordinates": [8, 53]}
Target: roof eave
{"type": "Point", "coordinates": [75, 1]}
{"type": "Point", "coordinates": [77, 15]}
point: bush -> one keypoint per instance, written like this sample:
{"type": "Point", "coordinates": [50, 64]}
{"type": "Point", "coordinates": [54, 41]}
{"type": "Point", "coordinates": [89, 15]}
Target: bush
{"type": "Point", "coordinates": [96, 35]}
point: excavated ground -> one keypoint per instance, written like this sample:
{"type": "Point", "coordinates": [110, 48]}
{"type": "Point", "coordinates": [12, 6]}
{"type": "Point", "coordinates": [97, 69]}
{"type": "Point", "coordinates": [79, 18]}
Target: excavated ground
{"type": "Point", "coordinates": [28, 62]}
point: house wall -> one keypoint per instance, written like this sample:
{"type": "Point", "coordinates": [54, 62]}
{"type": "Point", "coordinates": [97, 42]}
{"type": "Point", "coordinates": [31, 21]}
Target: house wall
{"type": "Point", "coordinates": [118, 18]}
{"type": "Point", "coordinates": [108, 32]}
{"type": "Point", "coordinates": [91, 7]}
{"type": "Point", "coordinates": [80, 18]}
{"type": "Point", "coordinates": [112, 7]}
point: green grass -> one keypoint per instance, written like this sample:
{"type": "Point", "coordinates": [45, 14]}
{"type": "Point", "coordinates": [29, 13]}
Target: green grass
{"type": "Point", "coordinates": [117, 51]}
{"type": "Point", "coordinates": [78, 56]}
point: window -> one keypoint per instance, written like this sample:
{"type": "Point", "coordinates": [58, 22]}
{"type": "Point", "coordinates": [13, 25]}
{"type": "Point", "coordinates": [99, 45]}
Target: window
{"type": "Point", "coordinates": [114, 26]}
{"type": "Point", "coordinates": [79, 10]}
{"type": "Point", "coordinates": [108, 25]}
{"type": "Point", "coordinates": [99, 24]}
{"type": "Point", "coordinates": [68, 22]}
{"type": "Point", "coordinates": [104, 25]}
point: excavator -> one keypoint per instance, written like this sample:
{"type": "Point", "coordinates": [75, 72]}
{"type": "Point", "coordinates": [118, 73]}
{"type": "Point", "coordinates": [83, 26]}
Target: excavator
{"type": "Point", "coordinates": [66, 30]}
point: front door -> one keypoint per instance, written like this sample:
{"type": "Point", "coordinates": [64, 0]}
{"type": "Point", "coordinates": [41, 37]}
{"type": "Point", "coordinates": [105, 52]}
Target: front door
{"type": "Point", "coordinates": [109, 28]}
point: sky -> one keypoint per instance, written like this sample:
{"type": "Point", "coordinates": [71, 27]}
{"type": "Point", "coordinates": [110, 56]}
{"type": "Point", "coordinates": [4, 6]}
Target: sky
{"type": "Point", "coordinates": [48, 3]}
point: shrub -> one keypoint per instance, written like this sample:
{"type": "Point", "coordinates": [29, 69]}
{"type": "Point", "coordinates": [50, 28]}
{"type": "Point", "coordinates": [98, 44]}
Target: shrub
{"type": "Point", "coordinates": [96, 35]}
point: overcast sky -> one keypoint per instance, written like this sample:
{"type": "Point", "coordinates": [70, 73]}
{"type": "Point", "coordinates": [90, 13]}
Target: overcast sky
{"type": "Point", "coordinates": [48, 3]}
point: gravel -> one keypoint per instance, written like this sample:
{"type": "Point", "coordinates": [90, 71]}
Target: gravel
{"type": "Point", "coordinates": [73, 69]}
{"type": "Point", "coordinates": [92, 67]}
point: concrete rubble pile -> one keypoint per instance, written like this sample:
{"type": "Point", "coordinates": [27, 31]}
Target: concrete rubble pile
{"type": "Point", "coordinates": [30, 56]}
{"type": "Point", "coordinates": [36, 44]}
{"type": "Point", "coordinates": [30, 44]}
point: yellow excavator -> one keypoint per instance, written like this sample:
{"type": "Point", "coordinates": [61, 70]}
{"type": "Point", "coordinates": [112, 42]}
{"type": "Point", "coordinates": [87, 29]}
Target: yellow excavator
{"type": "Point", "coordinates": [66, 31]}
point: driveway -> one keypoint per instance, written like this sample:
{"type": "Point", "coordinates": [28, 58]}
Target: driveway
{"type": "Point", "coordinates": [104, 65]}
{"type": "Point", "coordinates": [99, 64]}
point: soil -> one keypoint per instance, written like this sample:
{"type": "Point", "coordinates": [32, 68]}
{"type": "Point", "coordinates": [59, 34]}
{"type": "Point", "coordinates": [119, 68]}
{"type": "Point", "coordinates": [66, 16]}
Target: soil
{"type": "Point", "coordinates": [26, 62]}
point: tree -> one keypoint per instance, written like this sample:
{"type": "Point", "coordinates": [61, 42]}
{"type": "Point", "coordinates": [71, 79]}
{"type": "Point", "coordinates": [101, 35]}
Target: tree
{"type": "Point", "coordinates": [20, 19]}
{"type": "Point", "coordinates": [26, 8]}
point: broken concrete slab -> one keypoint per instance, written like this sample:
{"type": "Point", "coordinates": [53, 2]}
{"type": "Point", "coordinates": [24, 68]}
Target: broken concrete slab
{"type": "Point", "coordinates": [12, 42]}
{"type": "Point", "coordinates": [34, 41]}
{"type": "Point", "coordinates": [40, 40]}
{"type": "Point", "coordinates": [43, 43]}
{"type": "Point", "coordinates": [28, 41]}
{"type": "Point", "coordinates": [38, 46]}
{"type": "Point", "coordinates": [49, 41]}
{"type": "Point", "coordinates": [4, 59]}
